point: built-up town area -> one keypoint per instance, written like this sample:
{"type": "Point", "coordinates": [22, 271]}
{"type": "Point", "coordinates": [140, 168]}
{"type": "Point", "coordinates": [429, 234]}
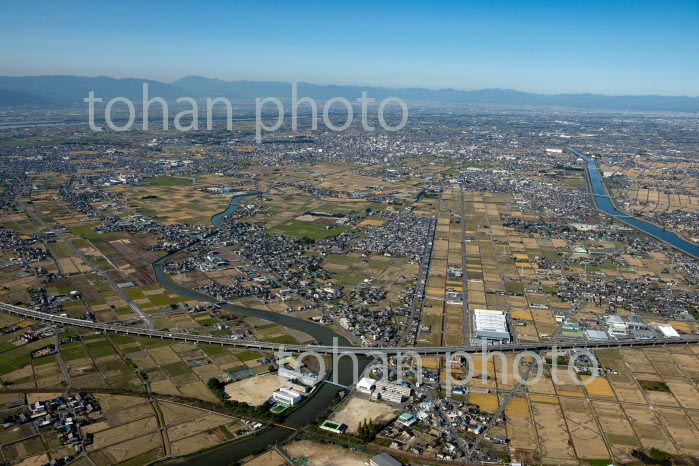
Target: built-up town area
{"type": "Point", "coordinates": [474, 228]}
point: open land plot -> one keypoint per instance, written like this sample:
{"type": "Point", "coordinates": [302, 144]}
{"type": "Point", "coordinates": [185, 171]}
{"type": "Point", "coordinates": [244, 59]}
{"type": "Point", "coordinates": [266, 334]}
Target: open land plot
{"type": "Point", "coordinates": [254, 390]}
{"type": "Point", "coordinates": [113, 405]}
{"type": "Point", "coordinates": [681, 428]}
{"type": "Point", "coordinates": [38, 460]}
{"type": "Point", "coordinates": [23, 449]}
{"type": "Point", "coordinates": [567, 385]}
{"type": "Point", "coordinates": [688, 362]}
{"type": "Point", "coordinates": [358, 410]}
{"type": "Point", "coordinates": [134, 447]}
{"type": "Point", "coordinates": [301, 229]}
{"type": "Point", "coordinates": [542, 386]}
{"type": "Point", "coordinates": [174, 413]}
{"type": "Point", "coordinates": [599, 387]}
{"type": "Point", "coordinates": [684, 391]}
{"type": "Point", "coordinates": [617, 429]}
{"type": "Point", "coordinates": [270, 458]}
{"type": "Point", "coordinates": [520, 429]}
{"type": "Point", "coordinates": [554, 438]}
{"type": "Point", "coordinates": [662, 362]}
{"type": "Point", "coordinates": [198, 390]}
{"type": "Point", "coordinates": [124, 432]}
{"type": "Point", "coordinates": [646, 425]}
{"type": "Point", "coordinates": [204, 423]}
{"type": "Point", "coordinates": [15, 434]}
{"type": "Point", "coordinates": [486, 401]}
{"type": "Point", "coordinates": [637, 361]}
{"type": "Point", "coordinates": [320, 454]}
{"type": "Point", "coordinates": [625, 388]}
{"type": "Point", "coordinates": [587, 439]}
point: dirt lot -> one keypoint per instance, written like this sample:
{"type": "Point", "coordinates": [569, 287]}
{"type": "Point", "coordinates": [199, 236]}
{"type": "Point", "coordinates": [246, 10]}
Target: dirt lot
{"type": "Point", "coordinates": [319, 454]}
{"type": "Point", "coordinates": [34, 397]}
{"type": "Point", "coordinates": [270, 458]}
{"type": "Point", "coordinates": [38, 460]}
{"type": "Point", "coordinates": [358, 409]}
{"type": "Point", "coordinates": [254, 390]}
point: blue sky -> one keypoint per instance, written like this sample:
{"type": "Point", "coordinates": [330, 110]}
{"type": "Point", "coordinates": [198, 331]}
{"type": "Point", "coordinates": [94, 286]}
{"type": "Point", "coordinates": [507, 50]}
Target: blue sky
{"type": "Point", "coordinates": [611, 47]}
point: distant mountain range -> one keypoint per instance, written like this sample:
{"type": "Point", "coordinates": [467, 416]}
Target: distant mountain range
{"type": "Point", "coordinates": [71, 90]}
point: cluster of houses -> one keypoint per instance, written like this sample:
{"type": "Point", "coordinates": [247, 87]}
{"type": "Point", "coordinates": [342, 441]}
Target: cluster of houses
{"type": "Point", "coordinates": [26, 248]}
{"type": "Point", "coordinates": [64, 415]}
{"type": "Point", "coordinates": [403, 234]}
{"type": "Point", "coordinates": [408, 431]}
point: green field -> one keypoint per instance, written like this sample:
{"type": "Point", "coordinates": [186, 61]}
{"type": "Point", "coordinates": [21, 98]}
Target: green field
{"type": "Point", "coordinates": [300, 229]}
{"type": "Point", "coordinates": [284, 340]}
{"type": "Point", "coordinates": [72, 351]}
{"type": "Point", "coordinates": [247, 355]}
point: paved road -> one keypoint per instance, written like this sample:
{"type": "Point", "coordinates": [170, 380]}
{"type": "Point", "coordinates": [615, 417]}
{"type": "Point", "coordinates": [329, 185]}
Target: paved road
{"type": "Point", "coordinates": [464, 272]}
{"type": "Point", "coordinates": [62, 364]}
{"type": "Point", "coordinates": [326, 349]}
{"type": "Point", "coordinates": [415, 318]}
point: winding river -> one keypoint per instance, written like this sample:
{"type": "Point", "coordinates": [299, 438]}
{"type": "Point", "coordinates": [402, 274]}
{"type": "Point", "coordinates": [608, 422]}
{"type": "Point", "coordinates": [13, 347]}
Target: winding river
{"type": "Point", "coordinates": [306, 413]}
{"type": "Point", "coordinates": [606, 204]}
{"type": "Point", "coordinates": [323, 395]}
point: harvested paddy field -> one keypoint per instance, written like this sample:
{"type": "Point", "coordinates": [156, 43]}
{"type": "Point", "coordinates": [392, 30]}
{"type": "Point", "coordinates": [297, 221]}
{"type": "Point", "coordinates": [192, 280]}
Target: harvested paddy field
{"type": "Point", "coordinates": [486, 401]}
{"type": "Point", "coordinates": [587, 440]}
{"type": "Point", "coordinates": [520, 429]}
{"type": "Point", "coordinates": [554, 441]}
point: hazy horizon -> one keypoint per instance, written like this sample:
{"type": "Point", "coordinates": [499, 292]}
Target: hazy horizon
{"type": "Point", "coordinates": [347, 84]}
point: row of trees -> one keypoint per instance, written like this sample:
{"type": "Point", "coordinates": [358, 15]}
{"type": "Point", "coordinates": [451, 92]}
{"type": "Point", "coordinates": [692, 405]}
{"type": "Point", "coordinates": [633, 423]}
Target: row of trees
{"type": "Point", "coordinates": [368, 430]}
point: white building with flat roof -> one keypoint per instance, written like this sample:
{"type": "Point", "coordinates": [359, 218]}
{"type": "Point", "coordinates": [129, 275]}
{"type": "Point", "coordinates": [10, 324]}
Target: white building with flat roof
{"type": "Point", "coordinates": [596, 335]}
{"type": "Point", "coordinates": [366, 385]}
{"type": "Point", "coordinates": [391, 392]}
{"type": "Point", "coordinates": [666, 330]}
{"type": "Point", "coordinates": [490, 325]}
{"type": "Point", "coordinates": [286, 397]}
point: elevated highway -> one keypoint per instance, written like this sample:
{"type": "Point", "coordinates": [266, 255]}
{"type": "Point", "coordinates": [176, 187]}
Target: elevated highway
{"type": "Point", "coordinates": [325, 349]}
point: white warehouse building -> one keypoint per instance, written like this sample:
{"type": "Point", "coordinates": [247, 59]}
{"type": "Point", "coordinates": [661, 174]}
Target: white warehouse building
{"type": "Point", "coordinates": [286, 397]}
{"type": "Point", "coordinates": [366, 385]}
{"type": "Point", "coordinates": [491, 325]}
{"type": "Point", "coordinates": [666, 329]}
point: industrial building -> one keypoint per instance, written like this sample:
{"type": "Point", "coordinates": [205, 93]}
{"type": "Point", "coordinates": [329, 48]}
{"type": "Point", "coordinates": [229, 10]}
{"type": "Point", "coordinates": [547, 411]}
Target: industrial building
{"type": "Point", "coordinates": [406, 419]}
{"type": "Point", "coordinates": [384, 459]}
{"type": "Point", "coordinates": [391, 392]}
{"type": "Point", "coordinates": [666, 330]}
{"type": "Point", "coordinates": [366, 385]}
{"type": "Point", "coordinates": [491, 326]}
{"type": "Point", "coordinates": [291, 369]}
{"type": "Point", "coordinates": [286, 397]}
{"type": "Point", "coordinates": [596, 335]}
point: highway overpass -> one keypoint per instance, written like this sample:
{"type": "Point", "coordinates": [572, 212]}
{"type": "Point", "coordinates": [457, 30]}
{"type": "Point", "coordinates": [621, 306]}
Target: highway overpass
{"type": "Point", "coordinates": [324, 349]}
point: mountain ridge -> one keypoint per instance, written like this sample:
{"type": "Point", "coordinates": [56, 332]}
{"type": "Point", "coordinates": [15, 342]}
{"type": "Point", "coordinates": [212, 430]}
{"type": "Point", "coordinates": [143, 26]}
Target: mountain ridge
{"type": "Point", "coordinates": [70, 90]}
